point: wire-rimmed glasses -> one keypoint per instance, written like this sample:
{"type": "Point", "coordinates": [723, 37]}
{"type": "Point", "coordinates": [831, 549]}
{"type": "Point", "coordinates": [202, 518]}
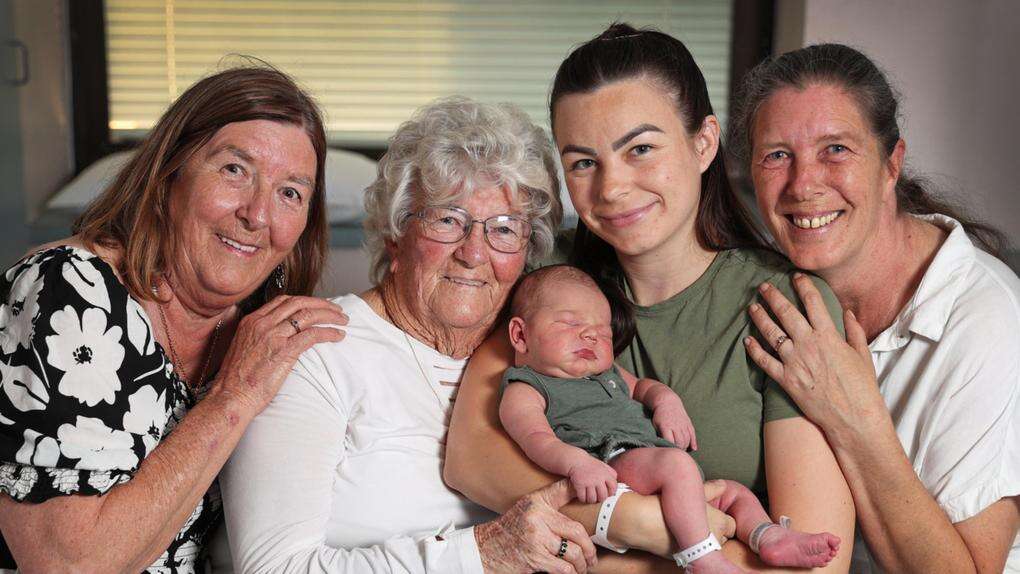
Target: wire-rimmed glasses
{"type": "Point", "coordinates": [504, 233]}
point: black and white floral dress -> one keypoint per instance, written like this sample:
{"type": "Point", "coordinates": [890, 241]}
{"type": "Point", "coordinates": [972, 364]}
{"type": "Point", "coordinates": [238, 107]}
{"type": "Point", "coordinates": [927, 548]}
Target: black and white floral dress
{"type": "Point", "coordinates": [87, 392]}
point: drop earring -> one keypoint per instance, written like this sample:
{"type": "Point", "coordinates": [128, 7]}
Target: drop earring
{"type": "Point", "coordinates": [280, 277]}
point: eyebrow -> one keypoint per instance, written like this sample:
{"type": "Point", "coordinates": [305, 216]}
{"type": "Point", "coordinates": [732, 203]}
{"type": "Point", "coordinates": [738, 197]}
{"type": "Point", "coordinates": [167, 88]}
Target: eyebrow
{"type": "Point", "coordinates": [838, 135]}
{"type": "Point", "coordinates": [635, 133]}
{"type": "Point", "coordinates": [300, 180]}
{"type": "Point", "coordinates": [233, 149]}
{"type": "Point", "coordinates": [616, 144]}
{"type": "Point", "coordinates": [824, 138]}
{"type": "Point", "coordinates": [571, 148]}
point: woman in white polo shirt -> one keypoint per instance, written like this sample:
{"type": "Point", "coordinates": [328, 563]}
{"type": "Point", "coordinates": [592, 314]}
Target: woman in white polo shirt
{"type": "Point", "coordinates": [930, 445]}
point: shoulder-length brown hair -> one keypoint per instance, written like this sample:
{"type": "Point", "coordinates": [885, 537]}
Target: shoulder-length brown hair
{"type": "Point", "coordinates": [132, 215]}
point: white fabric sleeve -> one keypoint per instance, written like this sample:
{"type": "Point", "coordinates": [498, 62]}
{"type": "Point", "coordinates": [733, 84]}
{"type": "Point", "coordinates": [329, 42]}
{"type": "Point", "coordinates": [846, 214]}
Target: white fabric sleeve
{"type": "Point", "coordinates": [974, 455]}
{"type": "Point", "coordinates": [277, 490]}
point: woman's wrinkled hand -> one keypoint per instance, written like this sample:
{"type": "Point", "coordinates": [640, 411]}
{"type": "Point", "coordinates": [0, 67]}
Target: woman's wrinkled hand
{"type": "Point", "coordinates": [528, 536]}
{"type": "Point", "coordinates": [269, 340]}
{"type": "Point", "coordinates": [831, 379]}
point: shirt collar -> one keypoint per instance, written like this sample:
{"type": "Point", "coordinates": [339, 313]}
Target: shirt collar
{"type": "Point", "coordinates": [926, 313]}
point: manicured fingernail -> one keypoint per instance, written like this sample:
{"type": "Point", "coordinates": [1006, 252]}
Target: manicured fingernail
{"type": "Point", "coordinates": [764, 287]}
{"type": "Point", "coordinates": [755, 307]}
{"type": "Point", "coordinates": [797, 275]}
{"type": "Point", "coordinates": [747, 341]}
{"type": "Point", "coordinates": [851, 313]}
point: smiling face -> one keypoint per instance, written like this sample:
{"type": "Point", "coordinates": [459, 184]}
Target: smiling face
{"type": "Point", "coordinates": [567, 332]}
{"type": "Point", "coordinates": [633, 171]}
{"type": "Point", "coordinates": [823, 184]}
{"type": "Point", "coordinates": [237, 208]}
{"type": "Point", "coordinates": [456, 286]}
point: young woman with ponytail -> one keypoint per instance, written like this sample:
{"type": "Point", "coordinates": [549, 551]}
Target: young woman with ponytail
{"type": "Point", "coordinates": [642, 158]}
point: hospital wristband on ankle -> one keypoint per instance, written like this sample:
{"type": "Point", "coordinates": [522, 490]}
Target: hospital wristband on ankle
{"type": "Point", "coordinates": [605, 514]}
{"type": "Point", "coordinates": [688, 555]}
{"type": "Point", "coordinates": [754, 540]}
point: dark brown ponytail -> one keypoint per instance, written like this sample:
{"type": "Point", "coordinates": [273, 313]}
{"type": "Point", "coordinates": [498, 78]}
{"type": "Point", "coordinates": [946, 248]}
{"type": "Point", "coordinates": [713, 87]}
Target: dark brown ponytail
{"type": "Point", "coordinates": [623, 52]}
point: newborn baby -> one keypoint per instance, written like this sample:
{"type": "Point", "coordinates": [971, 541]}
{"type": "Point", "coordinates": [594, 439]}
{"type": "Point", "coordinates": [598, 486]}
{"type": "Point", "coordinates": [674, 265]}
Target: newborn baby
{"type": "Point", "coordinates": [576, 414]}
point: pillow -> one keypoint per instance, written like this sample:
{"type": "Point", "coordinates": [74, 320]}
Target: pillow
{"type": "Point", "coordinates": [81, 190]}
{"type": "Point", "coordinates": [347, 176]}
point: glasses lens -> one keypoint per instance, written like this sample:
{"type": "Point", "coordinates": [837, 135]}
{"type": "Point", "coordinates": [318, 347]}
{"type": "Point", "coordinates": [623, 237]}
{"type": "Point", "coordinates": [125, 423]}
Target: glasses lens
{"type": "Point", "coordinates": [444, 224]}
{"type": "Point", "coordinates": [507, 233]}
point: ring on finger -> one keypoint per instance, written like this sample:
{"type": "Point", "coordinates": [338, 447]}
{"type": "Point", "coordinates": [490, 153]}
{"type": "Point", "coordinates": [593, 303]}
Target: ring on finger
{"type": "Point", "coordinates": [563, 548]}
{"type": "Point", "coordinates": [779, 342]}
{"type": "Point", "coordinates": [293, 323]}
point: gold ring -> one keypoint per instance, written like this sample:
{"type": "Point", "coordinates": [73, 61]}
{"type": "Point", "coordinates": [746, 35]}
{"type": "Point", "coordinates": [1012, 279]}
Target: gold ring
{"type": "Point", "coordinates": [779, 342]}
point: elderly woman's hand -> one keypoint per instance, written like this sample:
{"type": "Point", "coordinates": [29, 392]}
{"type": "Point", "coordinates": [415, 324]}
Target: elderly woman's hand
{"type": "Point", "coordinates": [831, 379]}
{"type": "Point", "coordinates": [269, 340]}
{"type": "Point", "coordinates": [529, 536]}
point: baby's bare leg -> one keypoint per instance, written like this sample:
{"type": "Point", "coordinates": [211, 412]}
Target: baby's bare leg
{"type": "Point", "coordinates": [777, 546]}
{"type": "Point", "coordinates": [674, 475]}
{"type": "Point", "coordinates": [739, 502]}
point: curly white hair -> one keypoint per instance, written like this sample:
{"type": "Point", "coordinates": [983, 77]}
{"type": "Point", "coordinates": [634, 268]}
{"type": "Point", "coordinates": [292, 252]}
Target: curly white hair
{"type": "Point", "coordinates": [449, 149]}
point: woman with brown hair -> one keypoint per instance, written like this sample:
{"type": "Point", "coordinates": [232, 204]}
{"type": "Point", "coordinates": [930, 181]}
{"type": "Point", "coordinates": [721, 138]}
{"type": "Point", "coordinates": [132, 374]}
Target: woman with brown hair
{"type": "Point", "coordinates": [920, 399]}
{"type": "Point", "coordinates": [642, 159]}
{"type": "Point", "coordinates": [134, 354]}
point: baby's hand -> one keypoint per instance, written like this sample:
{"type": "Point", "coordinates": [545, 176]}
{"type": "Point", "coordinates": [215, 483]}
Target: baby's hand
{"type": "Point", "coordinates": [671, 420]}
{"type": "Point", "coordinates": [593, 480]}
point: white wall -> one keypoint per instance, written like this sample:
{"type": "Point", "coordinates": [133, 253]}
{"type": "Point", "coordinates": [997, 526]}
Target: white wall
{"type": "Point", "coordinates": [955, 64]}
{"type": "Point", "coordinates": [346, 272]}
{"type": "Point", "coordinates": [13, 229]}
{"type": "Point", "coordinates": [45, 106]}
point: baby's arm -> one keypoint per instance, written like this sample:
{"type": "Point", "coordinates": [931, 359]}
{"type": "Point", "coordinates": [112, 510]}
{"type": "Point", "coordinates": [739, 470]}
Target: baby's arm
{"type": "Point", "coordinates": [668, 413]}
{"type": "Point", "coordinates": [522, 412]}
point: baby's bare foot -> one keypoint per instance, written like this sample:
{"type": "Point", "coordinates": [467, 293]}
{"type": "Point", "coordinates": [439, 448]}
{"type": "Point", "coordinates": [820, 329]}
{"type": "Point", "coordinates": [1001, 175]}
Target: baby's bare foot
{"type": "Point", "coordinates": [713, 563]}
{"type": "Point", "coordinates": [782, 547]}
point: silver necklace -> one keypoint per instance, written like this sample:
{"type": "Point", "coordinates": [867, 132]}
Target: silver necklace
{"type": "Point", "coordinates": [421, 369]}
{"type": "Point", "coordinates": [173, 350]}
{"type": "Point", "coordinates": [410, 347]}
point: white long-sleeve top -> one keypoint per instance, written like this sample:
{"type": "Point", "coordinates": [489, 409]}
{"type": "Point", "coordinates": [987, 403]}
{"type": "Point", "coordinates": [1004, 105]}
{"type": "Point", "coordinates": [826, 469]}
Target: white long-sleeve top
{"type": "Point", "coordinates": [342, 472]}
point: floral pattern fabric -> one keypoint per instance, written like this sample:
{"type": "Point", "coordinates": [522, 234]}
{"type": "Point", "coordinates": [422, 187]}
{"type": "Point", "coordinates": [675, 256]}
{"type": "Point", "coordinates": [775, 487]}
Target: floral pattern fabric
{"type": "Point", "coordinates": [86, 393]}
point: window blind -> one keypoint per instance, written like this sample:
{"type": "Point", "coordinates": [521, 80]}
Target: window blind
{"type": "Point", "coordinates": [370, 64]}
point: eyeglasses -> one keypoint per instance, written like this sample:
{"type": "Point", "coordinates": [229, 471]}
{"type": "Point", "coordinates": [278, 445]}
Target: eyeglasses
{"type": "Point", "coordinates": [504, 233]}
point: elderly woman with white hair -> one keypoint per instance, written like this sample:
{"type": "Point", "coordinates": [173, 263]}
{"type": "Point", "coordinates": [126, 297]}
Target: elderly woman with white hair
{"type": "Point", "coordinates": [342, 471]}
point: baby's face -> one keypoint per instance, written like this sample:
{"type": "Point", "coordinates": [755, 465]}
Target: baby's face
{"type": "Point", "coordinates": [569, 334]}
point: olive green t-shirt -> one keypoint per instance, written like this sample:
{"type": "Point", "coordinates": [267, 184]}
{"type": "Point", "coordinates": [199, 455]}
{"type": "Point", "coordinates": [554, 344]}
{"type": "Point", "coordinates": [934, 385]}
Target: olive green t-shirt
{"type": "Point", "coordinates": [693, 342]}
